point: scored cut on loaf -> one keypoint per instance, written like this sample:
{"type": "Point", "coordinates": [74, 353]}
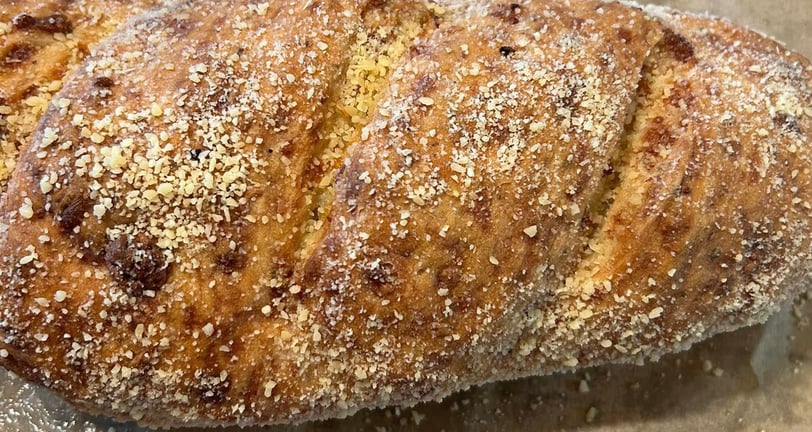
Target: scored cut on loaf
{"type": "Point", "coordinates": [285, 211]}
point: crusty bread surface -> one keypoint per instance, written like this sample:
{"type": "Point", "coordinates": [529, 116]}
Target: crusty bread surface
{"type": "Point", "coordinates": [41, 42]}
{"type": "Point", "coordinates": [283, 211]}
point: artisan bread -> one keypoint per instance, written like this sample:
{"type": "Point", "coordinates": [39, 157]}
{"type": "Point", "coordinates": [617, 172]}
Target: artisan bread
{"type": "Point", "coordinates": [40, 42]}
{"type": "Point", "coordinates": [282, 211]}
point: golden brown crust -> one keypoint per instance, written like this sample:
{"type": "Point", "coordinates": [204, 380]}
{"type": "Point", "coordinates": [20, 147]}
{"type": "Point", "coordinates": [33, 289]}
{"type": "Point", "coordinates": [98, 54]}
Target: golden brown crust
{"type": "Point", "coordinates": [293, 210]}
{"type": "Point", "coordinates": [41, 42]}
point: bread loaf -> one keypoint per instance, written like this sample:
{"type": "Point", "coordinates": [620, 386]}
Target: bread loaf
{"type": "Point", "coordinates": [40, 42]}
{"type": "Point", "coordinates": [291, 210]}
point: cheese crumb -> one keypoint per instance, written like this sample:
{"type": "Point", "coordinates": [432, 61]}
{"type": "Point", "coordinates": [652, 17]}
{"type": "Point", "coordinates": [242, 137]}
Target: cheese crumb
{"type": "Point", "coordinates": [28, 259]}
{"type": "Point", "coordinates": [208, 329]}
{"type": "Point", "coordinates": [591, 414]}
{"type": "Point", "coordinates": [49, 136]}
{"type": "Point", "coordinates": [99, 210]}
{"type": "Point", "coordinates": [45, 185]}
{"type": "Point", "coordinates": [165, 189]}
{"type": "Point", "coordinates": [269, 386]}
{"type": "Point", "coordinates": [97, 138]}
{"type": "Point", "coordinates": [42, 302]}
{"type": "Point", "coordinates": [427, 101]}
{"type": "Point", "coordinates": [531, 231]}
{"type": "Point", "coordinates": [26, 211]}
{"type": "Point", "coordinates": [156, 110]}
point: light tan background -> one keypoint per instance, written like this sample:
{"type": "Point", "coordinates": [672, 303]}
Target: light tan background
{"type": "Point", "coordinates": [757, 379]}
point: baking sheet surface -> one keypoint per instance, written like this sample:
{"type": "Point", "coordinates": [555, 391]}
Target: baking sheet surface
{"type": "Point", "coordinates": [756, 379]}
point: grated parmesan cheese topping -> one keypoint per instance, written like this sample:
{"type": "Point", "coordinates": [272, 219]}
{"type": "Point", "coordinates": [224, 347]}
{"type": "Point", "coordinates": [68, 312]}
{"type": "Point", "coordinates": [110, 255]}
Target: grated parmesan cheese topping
{"type": "Point", "coordinates": [292, 210]}
{"type": "Point", "coordinates": [45, 55]}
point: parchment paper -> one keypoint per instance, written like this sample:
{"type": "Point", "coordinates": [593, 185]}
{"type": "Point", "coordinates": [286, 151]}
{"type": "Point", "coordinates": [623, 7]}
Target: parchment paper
{"type": "Point", "coordinates": [756, 379]}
